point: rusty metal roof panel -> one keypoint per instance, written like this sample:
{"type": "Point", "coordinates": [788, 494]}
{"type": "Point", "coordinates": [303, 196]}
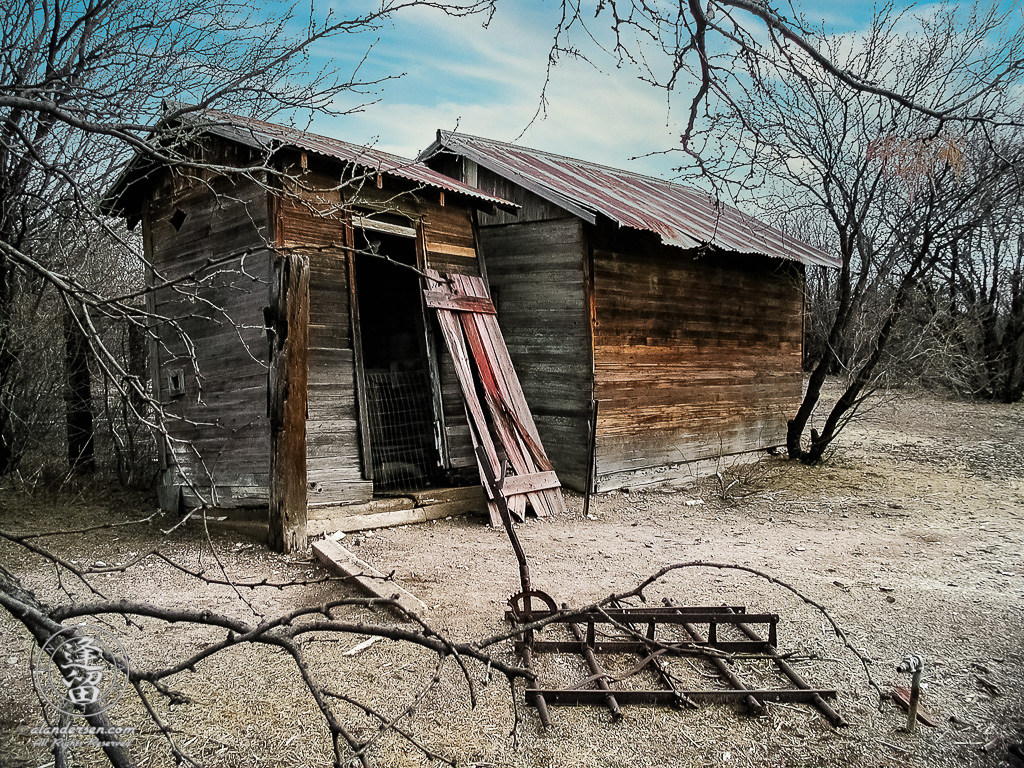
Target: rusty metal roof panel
{"type": "Point", "coordinates": [680, 216]}
{"type": "Point", "coordinates": [269, 136]}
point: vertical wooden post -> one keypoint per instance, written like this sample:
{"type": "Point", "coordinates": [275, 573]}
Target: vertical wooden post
{"type": "Point", "coordinates": [288, 325]}
{"type": "Point", "coordinates": [591, 460]}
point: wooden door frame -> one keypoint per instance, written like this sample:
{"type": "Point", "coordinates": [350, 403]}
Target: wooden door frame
{"type": "Point", "coordinates": [362, 411]}
{"type": "Point", "coordinates": [433, 364]}
{"type": "Point", "coordinates": [429, 341]}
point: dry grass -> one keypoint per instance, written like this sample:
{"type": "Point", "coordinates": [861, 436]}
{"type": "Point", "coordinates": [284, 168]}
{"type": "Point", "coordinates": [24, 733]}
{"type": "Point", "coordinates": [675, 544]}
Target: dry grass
{"type": "Point", "coordinates": [911, 536]}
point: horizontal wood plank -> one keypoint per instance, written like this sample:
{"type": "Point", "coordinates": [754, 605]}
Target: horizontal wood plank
{"type": "Point", "coordinates": [439, 300]}
{"type": "Point", "coordinates": [538, 481]}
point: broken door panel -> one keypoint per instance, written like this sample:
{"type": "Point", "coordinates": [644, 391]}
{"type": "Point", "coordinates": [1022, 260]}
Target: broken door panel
{"type": "Point", "coordinates": [472, 334]}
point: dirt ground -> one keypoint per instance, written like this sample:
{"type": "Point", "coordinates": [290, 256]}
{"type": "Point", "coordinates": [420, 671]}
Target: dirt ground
{"type": "Point", "coordinates": [911, 536]}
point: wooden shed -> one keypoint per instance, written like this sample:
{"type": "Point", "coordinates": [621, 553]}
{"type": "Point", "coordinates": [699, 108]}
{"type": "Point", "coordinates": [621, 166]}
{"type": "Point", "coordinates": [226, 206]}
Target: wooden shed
{"type": "Point", "coordinates": [682, 317]}
{"type": "Point", "coordinates": [315, 336]}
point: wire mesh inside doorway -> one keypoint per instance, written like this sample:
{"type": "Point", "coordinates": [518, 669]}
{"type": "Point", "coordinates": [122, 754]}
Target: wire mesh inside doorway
{"type": "Point", "coordinates": [401, 421]}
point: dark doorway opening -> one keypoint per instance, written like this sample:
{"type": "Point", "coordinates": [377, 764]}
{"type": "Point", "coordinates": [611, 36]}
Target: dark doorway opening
{"type": "Point", "coordinates": [396, 368]}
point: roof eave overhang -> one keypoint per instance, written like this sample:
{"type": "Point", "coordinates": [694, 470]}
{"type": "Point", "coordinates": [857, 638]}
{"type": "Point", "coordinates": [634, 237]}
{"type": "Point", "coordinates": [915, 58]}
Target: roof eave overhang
{"type": "Point", "coordinates": [113, 201]}
{"type": "Point", "coordinates": [688, 243]}
{"type": "Point", "coordinates": [247, 138]}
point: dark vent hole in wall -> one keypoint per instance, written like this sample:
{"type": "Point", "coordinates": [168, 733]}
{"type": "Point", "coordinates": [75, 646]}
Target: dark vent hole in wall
{"type": "Point", "coordinates": [178, 219]}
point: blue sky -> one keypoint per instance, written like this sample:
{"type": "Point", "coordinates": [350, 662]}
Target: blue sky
{"type": "Point", "coordinates": [456, 74]}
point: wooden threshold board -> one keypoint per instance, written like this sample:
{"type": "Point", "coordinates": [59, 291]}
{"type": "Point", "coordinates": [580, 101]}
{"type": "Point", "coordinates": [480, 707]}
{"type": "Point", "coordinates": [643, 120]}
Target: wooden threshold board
{"type": "Point", "coordinates": [421, 507]}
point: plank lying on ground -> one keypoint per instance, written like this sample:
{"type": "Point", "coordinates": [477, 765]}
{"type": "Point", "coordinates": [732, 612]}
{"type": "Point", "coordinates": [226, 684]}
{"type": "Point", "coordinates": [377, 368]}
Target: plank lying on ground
{"type": "Point", "coordinates": [339, 560]}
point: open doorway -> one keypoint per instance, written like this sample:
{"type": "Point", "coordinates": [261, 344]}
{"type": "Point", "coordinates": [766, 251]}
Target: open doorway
{"type": "Point", "coordinates": [399, 389]}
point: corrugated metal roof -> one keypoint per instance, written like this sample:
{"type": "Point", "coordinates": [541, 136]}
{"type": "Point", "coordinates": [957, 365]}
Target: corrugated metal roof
{"type": "Point", "coordinates": [680, 216]}
{"type": "Point", "coordinates": [267, 136]}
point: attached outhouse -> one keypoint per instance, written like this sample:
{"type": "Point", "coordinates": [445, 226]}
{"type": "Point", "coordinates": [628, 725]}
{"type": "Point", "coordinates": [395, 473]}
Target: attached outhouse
{"type": "Point", "coordinates": [680, 316]}
{"type": "Point", "coordinates": [306, 304]}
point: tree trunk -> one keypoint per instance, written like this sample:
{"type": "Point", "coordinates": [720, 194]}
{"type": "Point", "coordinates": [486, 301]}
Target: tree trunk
{"type": "Point", "coordinates": [795, 427]}
{"type": "Point", "coordinates": [78, 397]}
{"type": "Point", "coordinates": [9, 454]}
{"type": "Point", "coordinates": [852, 394]}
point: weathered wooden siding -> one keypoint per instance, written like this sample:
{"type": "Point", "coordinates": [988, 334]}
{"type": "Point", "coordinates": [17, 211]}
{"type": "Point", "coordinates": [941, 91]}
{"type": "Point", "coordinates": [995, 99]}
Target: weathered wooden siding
{"type": "Point", "coordinates": [695, 357]}
{"type": "Point", "coordinates": [220, 429]}
{"type": "Point", "coordinates": [537, 272]}
{"type": "Point", "coordinates": [531, 206]}
{"type": "Point", "coordinates": [334, 464]}
{"type": "Point", "coordinates": [220, 434]}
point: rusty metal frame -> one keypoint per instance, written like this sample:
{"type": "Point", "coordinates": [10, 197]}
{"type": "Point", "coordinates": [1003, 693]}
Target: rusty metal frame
{"type": "Point", "coordinates": [599, 688]}
{"type": "Point", "coordinates": [583, 625]}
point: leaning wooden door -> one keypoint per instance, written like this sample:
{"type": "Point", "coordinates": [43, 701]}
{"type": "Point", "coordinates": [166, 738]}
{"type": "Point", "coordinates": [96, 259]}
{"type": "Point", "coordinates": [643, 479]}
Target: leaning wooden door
{"type": "Point", "coordinates": [470, 328]}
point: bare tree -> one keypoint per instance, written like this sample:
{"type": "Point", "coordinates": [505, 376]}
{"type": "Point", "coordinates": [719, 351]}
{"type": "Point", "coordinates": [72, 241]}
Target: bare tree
{"type": "Point", "coordinates": [83, 85]}
{"type": "Point", "coordinates": [897, 185]}
{"type": "Point", "coordinates": [970, 315]}
{"type": "Point", "coordinates": [862, 141]}
{"type": "Point", "coordinates": [717, 51]}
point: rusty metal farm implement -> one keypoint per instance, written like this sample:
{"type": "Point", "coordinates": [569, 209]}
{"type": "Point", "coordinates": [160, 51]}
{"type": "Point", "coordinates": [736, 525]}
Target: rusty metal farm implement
{"type": "Point", "coordinates": [650, 642]}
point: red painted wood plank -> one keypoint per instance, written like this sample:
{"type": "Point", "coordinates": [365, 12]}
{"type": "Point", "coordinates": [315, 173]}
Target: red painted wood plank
{"type": "Point", "coordinates": [506, 399]}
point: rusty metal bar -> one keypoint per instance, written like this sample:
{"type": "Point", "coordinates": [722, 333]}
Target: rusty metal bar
{"type": "Point", "coordinates": [721, 612]}
{"type": "Point", "coordinates": [537, 699]}
{"type": "Point", "coordinates": [644, 648]}
{"type": "Point", "coordinates": [752, 701]}
{"type": "Point", "coordinates": [659, 616]}
{"type": "Point", "coordinates": [588, 654]}
{"type": "Point", "coordinates": [820, 704]}
{"type": "Point", "coordinates": [666, 679]}
{"type": "Point", "coordinates": [561, 697]}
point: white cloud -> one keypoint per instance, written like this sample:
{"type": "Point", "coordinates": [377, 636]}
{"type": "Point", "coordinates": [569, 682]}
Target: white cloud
{"type": "Point", "coordinates": [489, 81]}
